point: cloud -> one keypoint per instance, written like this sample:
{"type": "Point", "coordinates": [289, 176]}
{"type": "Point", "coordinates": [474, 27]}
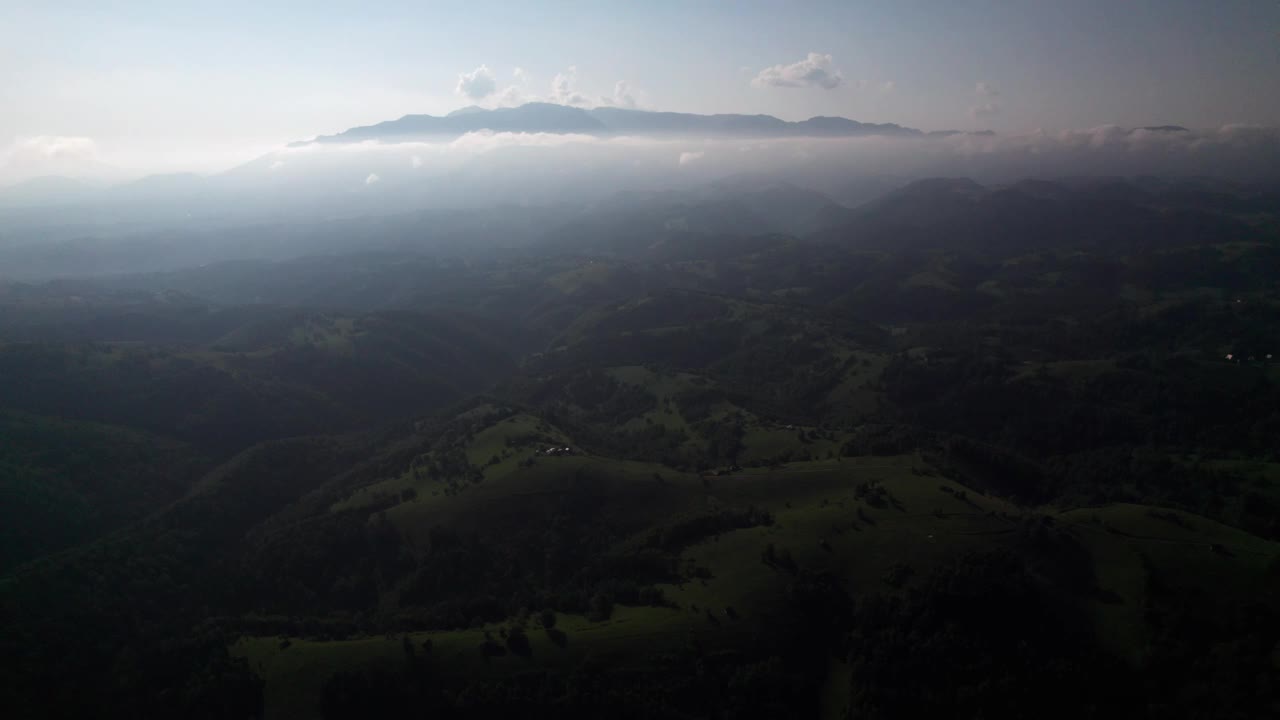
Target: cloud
{"type": "Point", "coordinates": [513, 95]}
{"type": "Point", "coordinates": [984, 110]}
{"type": "Point", "coordinates": [72, 156]}
{"type": "Point", "coordinates": [415, 162]}
{"type": "Point", "coordinates": [275, 165]}
{"type": "Point", "coordinates": [623, 96]}
{"type": "Point", "coordinates": [687, 158]}
{"type": "Point", "coordinates": [488, 140]}
{"type": "Point", "coordinates": [815, 71]}
{"type": "Point", "coordinates": [518, 93]}
{"type": "Point", "coordinates": [888, 86]}
{"type": "Point", "coordinates": [477, 84]}
{"type": "Point", "coordinates": [56, 146]}
{"type": "Point", "coordinates": [988, 108]}
{"type": "Point", "coordinates": [563, 90]}
{"type": "Point", "coordinates": [1231, 151]}
{"type": "Point", "coordinates": [373, 179]}
{"type": "Point", "coordinates": [527, 165]}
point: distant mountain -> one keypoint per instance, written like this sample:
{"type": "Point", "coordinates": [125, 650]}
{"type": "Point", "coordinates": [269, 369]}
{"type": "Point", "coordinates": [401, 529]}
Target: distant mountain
{"type": "Point", "coordinates": [656, 224]}
{"type": "Point", "coordinates": [45, 190]}
{"type": "Point", "coordinates": [533, 117]}
{"type": "Point", "coordinates": [164, 182]}
{"type": "Point", "coordinates": [561, 119]}
{"type": "Point", "coordinates": [1114, 213]}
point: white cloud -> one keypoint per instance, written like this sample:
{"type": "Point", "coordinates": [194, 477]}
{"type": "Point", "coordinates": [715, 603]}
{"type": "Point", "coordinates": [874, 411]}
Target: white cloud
{"type": "Point", "coordinates": [1238, 152]}
{"type": "Point", "coordinates": [373, 179]}
{"type": "Point", "coordinates": [513, 95]}
{"type": "Point", "coordinates": [415, 161]}
{"type": "Point", "coordinates": [623, 96]}
{"type": "Point", "coordinates": [477, 84]}
{"type": "Point", "coordinates": [275, 165]}
{"type": "Point", "coordinates": [564, 90]}
{"type": "Point", "coordinates": [815, 71]}
{"type": "Point", "coordinates": [517, 94]}
{"type": "Point", "coordinates": [984, 110]}
{"type": "Point", "coordinates": [487, 140]}
{"type": "Point", "coordinates": [51, 155]}
{"type": "Point", "coordinates": [985, 89]}
{"type": "Point", "coordinates": [690, 157]}
{"type": "Point", "coordinates": [57, 146]}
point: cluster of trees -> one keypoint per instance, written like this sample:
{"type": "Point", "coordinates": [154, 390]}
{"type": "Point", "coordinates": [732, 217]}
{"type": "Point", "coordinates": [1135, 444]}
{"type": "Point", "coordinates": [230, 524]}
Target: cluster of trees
{"type": "Point", "coordinates": [1007, 644]}
{"type": "Point", "coordinates": [1117, 433]}
{"type": "Point", "coordinates": [686, 530]}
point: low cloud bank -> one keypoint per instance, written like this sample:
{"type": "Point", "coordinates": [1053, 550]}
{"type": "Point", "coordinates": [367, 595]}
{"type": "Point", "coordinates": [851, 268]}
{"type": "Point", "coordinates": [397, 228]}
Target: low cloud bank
{"type": "Point", "coordinates": [1237, 152]}
{"type": "Point", "coordinates": [484, 169]}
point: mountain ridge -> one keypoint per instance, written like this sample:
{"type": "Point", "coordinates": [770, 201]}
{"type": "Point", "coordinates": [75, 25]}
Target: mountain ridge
{"type": "Point", "coordinates": [563, 119]}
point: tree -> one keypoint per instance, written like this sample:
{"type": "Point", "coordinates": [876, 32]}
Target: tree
{"type": "Point", "coordinates": [518, 643]}
{"type": "Point", "coordinates": [769, 556]}
{"type": "Point", "coordinates": [601, 607]}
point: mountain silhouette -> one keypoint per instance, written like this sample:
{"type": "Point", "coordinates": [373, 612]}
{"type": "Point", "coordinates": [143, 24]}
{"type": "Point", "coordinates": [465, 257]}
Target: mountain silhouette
{"type": "Point", "coordinates": [604, 121]}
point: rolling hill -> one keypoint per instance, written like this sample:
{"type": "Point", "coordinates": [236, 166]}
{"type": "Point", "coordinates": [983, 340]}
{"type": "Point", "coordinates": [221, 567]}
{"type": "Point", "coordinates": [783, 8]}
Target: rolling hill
{"type": "Point", "coordinates": [706, 472]}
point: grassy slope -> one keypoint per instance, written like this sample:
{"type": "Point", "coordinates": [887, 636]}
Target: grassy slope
{"type": "Point", "coordinates": [814, 502]}
{"type": "Point", "coordinates": [296, 674]}
{"type": "Point", "coordinates": [486, 503]}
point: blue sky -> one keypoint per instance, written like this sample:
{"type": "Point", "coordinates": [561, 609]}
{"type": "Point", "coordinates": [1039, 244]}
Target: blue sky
{"type": "Point", "coordinates": [199, 83]}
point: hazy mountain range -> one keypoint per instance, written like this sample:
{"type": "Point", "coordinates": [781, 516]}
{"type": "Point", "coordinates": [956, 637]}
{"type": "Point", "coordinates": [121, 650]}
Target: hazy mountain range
{"type": "Point", "coordinates": [550, 156]}
{"type": "Point", "coordinates": [605, 121]}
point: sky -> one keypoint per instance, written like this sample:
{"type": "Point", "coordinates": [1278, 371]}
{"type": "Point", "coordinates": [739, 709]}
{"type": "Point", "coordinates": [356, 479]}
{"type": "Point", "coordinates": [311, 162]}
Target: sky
{"type": "Point", "coordinates": [169, 86]}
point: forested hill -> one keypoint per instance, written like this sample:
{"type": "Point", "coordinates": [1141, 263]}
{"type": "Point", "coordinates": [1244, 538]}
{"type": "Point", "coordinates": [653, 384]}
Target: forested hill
{"type": "Point", "coordinates": [685, 469]}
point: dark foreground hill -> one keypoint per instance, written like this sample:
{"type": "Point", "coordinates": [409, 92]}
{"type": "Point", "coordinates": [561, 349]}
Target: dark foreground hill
{"type": "Point", "coordinates": [475, 572]}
